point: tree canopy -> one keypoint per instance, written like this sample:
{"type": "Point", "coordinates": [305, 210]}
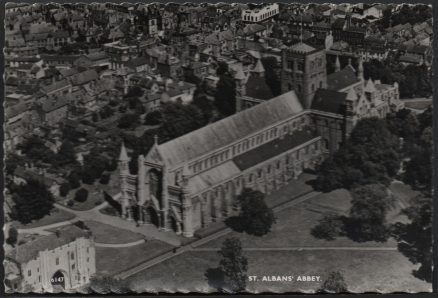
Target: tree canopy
{"type": "Point", "coordinates": [334, 283]}
{"type": "Point", "coordinates": [225, 95]}
{"type": "Point", "coordinates": [255, 217]}
{"type": "Point", "coordinates": [370, 155]}
{"type": "Point", "coordinates": [415, 238]}
{"type": "Point", "coordinates": [370, 205]}
{"type": "Point", "coordinates": [32, 201]}
{"type": "Point", "coordinates": [233, 264]}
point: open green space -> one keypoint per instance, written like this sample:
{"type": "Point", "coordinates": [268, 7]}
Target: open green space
{"type": "Point", "coordinates": [55, 216]}
{"type": "Point", "coordinates": [293, 189]}
{"type": "Point", "coordinates": [418, 105]}
{"type": "Point", "coordinates": [104, 233]}
{"type": "Point", "coordinates": [95, 194]}
{"type": "Point", "coordinates": [364, 271]}
{"type": "Point", "coordinates": [111, 261]}
{"type": "Point", "coordinates": [293, 225]}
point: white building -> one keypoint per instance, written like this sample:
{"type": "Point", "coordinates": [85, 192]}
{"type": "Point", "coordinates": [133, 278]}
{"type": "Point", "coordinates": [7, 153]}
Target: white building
{"type": "Point", "coordinates": [64, 260]}
{"type": "Point", "coordinates": [260, 14]}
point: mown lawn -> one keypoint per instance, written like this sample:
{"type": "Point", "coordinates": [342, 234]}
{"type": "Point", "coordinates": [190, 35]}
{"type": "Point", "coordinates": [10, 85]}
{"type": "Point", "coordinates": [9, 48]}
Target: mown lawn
{"type": "Point", "coordinates": [293, 225]}
{"type": "Point", "coordinates": [104, 233]}
{"type": "Point", "coordinates": [111, 261]}
{"type": "Point", "coordinates": [364, 271]}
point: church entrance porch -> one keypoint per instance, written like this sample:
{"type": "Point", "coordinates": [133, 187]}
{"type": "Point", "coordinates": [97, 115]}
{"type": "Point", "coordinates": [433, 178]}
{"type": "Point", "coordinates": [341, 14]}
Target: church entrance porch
{"type": "Point", "coordinates": [151, 216]}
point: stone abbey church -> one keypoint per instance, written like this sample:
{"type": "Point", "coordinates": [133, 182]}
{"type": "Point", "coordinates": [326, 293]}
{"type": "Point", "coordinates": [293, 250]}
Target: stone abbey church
{"type": "Point", "coordinates": [188, 182]}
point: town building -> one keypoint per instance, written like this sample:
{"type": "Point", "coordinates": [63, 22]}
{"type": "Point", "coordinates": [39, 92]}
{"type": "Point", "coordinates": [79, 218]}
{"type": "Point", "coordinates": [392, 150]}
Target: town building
{"type": "Point", "coordinates": [260, 14]}
{"type": "Point", "coordinates": [64, 260]}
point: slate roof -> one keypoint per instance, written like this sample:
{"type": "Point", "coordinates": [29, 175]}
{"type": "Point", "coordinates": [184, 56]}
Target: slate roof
{"type": "Point", "coordinates": [302, 47]}
{"type": "Point", "coordinates": [25, 252]}
{"type": "Point", "coordinates": [52, 104]}
{"type": "Point", "coordinates": [256, 87]}
{"type": "Point", "coordinates": [230, 129]}
{"type": "Point", "coordinates": [272, 149]}
{"type": "Point", "coordinates": [96, 56]}
{"type": "Point", "coordinates": [55, 86]}
{"type": "Point", "coordinates": [84, 77]}
{"type": "Point", "coordinates": [15, 110]}
{"type": "Point", "coordinates": [328, 101]}
{"type": "Point", "coordinates": [341, 79]}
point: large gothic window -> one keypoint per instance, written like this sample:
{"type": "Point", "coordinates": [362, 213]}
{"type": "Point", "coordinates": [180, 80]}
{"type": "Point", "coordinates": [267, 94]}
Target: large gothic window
{"type": "Point", "coordinates": [154, 184]}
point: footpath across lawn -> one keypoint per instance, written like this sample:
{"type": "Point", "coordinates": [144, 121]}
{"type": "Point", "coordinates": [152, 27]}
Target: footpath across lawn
{"type": "Point", "coordinates": [104, 233]}
{"type": "Point", "coordinates": [55, 216]}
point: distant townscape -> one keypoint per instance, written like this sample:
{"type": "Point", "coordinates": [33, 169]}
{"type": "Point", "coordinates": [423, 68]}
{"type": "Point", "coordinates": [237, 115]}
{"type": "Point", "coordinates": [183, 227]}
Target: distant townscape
{"type": "Point", "coordinates": [232, 143]}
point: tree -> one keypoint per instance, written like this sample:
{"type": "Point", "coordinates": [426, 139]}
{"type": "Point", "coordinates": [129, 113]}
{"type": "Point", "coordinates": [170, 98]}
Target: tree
{"type": "Point", "coordinates": [334, 283]}
{"type": "Point", "coordinates": [12, 236]}
{"type": "Point", "coordinates": [418, 172]}
{"type": "Point", "coordinates": [128, 120]}
{"type": "Point", "coordinates": [272, 80]}
{"type": "Point", "coordinates": [225, 95]}
{"type": "Point", "coordinates": [81, 195]}
{"type": "Point", "coordinates": [12, 161]}
{"type": "Point", "coordinates": [233, 264]}
{"type": "Point", "coordinates": [179, 119]}
{"type": "Point", "coordinates": [255, 216]}
{"type": "Point", "coordinates": [108, 284]}
{"type": "Point", "coordinates": [66, 154]}
{"type": "Point", "coordinates": [74, 179]}
{"type": "Point", "coordinates": [32, 201]}
{"type": "Point", "coordinates": [370, 155]}
{"type": "Point", "coordinates": [35, 149]}
{"type": "Point", "coordinates": [415, 238]}
{"type": "Point", "coordinates": [104, 179]}
{"type": "Point", "coordinates": [134, 91]}
{"type": "Point", "coordinates": [153, 118]}
{"type": "Point", "coordinates": [329, 227]}
{"type": "Point", "coordinates": [369, 207]}
{"type": "Point", "coordinates": [64, 189]}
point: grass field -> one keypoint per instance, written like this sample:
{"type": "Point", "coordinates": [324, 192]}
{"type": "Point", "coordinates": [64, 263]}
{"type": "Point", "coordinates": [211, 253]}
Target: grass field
{"type": "Point", "coordinates": [55, 216]}
{"type": "Point", "coordinates": [108, 234]}
{"type": "Point", "coordinates": [373, 271]}
{"type": "Point", "coordinates": [375, 267]}
{"type": "Point", "coordinates": [418, 105]}
{"type": "Point", "coordinates": [95, 194]}
{"type": "Point", "coordinates": [294, 225]}
{"type": "Point", "coordinates": [113, 260]}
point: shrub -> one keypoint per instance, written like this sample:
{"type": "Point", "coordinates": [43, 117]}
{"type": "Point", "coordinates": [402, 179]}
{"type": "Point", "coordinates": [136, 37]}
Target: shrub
{"type": "Point", "coordinates": [153, 118]}
{"type": "Point", "coordinates": [111, 165]}
{"type": "Point", "coordinates": [81, 195]}
{"type": "Point", "coordinates": [64, 189]}
{"type": "Point", "coordinates": [104, 179]}
{"type": "Point", "coordinates": [13, 236]}
{"type": "Point", "coordinates": [328, 228]}
{"type": "Point", "coordinates": [70, 203]}
{"type": "Point", "coordinates": [88, 177]}
{"type": "Point", "coordinates": [74, 180]}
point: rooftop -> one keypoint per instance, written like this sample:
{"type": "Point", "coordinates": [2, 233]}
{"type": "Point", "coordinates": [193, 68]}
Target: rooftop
{"type": "Point", "coordinates": [230, 129]}
{"type": "Point", "coordinates": [25, 252]}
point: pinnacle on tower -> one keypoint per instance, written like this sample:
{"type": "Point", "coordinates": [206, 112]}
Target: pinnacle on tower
{"type": "Point", "coordinates": [337, 64]}
{"type": "Point", "coordinates": [360, 70]}
{"type": "Point", "coordinates": [123, 155]}
{"type": "Point", "coordinates": [240, 75]}
{"type": "Point", "coordinates": [258, 68]}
